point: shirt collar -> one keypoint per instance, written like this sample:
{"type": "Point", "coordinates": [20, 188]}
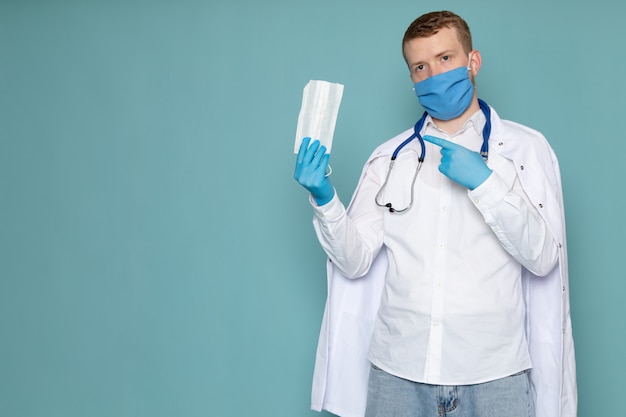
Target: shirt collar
{"type": "Point", "coordinates": [477, 120]}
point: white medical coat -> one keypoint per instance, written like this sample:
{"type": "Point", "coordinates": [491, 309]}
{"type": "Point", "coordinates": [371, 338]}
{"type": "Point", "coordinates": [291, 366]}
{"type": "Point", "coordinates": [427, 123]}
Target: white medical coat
{"type": "Point", "coordinates": [342, 367]}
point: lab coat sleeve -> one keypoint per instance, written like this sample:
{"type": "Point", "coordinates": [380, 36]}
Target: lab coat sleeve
{"type": "Point", "coordinates": [519, 227]}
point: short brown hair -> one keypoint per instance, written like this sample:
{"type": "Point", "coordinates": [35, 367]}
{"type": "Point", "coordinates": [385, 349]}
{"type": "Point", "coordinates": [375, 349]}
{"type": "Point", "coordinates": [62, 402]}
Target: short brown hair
{"type": "Point", "coordinates": [430, 23]}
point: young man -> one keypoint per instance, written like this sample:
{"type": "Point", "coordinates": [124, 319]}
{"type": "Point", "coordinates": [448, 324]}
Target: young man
{"type": "Point", "coordinates": [448, 273]}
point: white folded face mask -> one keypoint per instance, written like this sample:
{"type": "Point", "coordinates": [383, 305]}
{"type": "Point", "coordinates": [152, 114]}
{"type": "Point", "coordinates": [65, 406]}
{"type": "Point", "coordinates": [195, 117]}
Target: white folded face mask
{"type": "Point", "coordinates": [318, 114]}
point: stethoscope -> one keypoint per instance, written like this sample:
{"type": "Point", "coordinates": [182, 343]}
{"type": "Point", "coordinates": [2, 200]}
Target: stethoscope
{"type": "Point", "coordinates": [484, 152]}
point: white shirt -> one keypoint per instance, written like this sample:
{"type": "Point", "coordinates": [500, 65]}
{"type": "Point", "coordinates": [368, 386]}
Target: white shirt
{"type": "Point", "coordinates": [452, 309]}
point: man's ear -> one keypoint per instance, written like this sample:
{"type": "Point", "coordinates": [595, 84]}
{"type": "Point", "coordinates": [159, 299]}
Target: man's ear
{"type": "Point", "coordinates": [475, 62]}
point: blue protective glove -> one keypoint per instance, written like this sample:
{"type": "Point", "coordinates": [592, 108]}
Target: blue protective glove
{"type": "Point", "coordinates": [460, 164]}
{"type": "Point", "coordinates": [311, 165]}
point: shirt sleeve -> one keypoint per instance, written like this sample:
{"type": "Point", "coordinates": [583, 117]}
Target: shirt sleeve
{"type": "Point", "coordinates": [515, 221]}
{"type": "Point", "coordinates": [351, 239]}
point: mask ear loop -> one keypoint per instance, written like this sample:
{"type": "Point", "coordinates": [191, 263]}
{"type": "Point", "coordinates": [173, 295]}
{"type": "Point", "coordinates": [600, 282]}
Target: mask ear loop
{"type": "Point", "coordinates": [329, 171]}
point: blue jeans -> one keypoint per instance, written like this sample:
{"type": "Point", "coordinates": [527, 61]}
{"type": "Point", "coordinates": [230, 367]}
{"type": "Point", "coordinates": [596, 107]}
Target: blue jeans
{"type": "Point", "coordinates": [390, 396]}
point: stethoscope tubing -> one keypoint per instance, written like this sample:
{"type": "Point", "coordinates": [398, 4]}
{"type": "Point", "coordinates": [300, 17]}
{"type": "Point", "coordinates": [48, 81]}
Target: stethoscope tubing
{"type": "Point", "coordinates": [484, 152]}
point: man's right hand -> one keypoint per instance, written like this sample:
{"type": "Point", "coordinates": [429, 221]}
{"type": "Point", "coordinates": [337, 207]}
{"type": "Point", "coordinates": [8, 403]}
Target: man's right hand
{"type": "Point", "coordinates": [311, 165]}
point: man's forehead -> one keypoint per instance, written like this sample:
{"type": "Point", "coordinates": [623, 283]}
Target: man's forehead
{"type": "Point", "coordinates": [441, 42]}
{"type": "Point", "coordinates": [443, 35]}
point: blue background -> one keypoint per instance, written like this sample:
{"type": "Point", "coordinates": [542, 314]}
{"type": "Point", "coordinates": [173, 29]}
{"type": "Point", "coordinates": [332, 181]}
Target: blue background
{"type": "Point", "coordinates": [157, 257]}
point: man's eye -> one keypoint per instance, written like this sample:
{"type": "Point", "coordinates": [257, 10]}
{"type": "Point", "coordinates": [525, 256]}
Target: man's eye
{"type": "Point", "coordinates": [419, 68]}
{"type": "Point", "coordinates": [445, 58]}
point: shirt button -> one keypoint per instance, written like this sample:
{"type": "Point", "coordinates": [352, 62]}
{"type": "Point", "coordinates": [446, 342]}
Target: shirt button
{"type": "Point", "coordinates": [476, 201]}
{"type": "Point", "coordinates": [442, 246]}
{"type": "Point", "coordinates": [435, 323]}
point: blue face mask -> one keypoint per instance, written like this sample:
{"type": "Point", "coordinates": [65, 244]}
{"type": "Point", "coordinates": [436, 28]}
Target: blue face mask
{"type": "Point", "coordinates": [447, 95]}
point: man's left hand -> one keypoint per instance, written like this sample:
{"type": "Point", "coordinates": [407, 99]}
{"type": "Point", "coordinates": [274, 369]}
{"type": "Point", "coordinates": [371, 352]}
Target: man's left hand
{"type": "Point", "coordinates": [460, 164]}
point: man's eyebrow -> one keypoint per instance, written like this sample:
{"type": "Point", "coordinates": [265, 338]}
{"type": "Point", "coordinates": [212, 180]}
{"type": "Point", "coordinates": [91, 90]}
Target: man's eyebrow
{"type": "Point", "coordinates": [446, 52]}
{"type": "Point", "coordinates": [438, 55]}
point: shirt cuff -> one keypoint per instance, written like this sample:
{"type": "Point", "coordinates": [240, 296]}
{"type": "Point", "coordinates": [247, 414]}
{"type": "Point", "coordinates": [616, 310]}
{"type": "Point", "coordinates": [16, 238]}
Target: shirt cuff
{"type": "Point", "coordinates": [331, 211]}
{"type": "Point", "coordinates": [490, 193]}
